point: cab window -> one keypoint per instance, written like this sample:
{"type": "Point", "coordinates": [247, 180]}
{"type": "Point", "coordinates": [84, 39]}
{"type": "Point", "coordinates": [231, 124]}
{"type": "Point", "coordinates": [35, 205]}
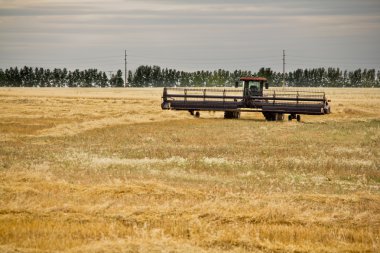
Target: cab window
{"type": "Point", "coordinates": [254, 86]}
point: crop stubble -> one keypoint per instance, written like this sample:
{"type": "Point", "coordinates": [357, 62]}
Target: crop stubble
{"type": "Point", "coordinates": [97, 170]}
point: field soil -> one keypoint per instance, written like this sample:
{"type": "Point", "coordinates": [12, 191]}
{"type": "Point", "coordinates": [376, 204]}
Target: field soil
{"type": "Point", "coordinates": [106, 170]}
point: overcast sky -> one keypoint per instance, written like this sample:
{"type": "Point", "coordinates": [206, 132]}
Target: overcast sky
{"type": "Point", "coordinates": [190, 34]}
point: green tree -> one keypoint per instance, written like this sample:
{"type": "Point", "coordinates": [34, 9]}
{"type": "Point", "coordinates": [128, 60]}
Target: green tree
{"type": "Point", "coordinates": [156, 77]}
{"type": "Point", "coordinates": [369, 78]}
{"type": "Point", "coordinates": [267, 73]}
{"type": "Point", "coordinates": [355, 78]}
{"type": "Point", "coordinates": [130, 77]}
{"type": "Point", "coordinates": [2, 78]}
{"type": "Point", "coordinates": [15, 77]}
{"type": "Point", "coordinates": [38, 76]}
{"type": "Point", "coordinates": [117, 80]}
{"type": "Point", "coordinates": [64, 77]}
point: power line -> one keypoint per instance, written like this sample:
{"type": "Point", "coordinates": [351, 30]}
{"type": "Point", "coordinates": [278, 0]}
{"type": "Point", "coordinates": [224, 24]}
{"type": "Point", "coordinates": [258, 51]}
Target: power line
{"type": "Point", "coordinates": [185, 59]}
{"type": "Point", "coordinates": [376, 58]}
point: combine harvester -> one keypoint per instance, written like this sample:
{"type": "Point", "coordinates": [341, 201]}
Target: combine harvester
{"type": "Point", "coordinates": [252, 98]}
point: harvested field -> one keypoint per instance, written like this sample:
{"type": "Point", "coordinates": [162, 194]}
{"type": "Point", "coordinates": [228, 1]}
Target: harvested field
{"type": "Point", "coordinates": [106, 170]}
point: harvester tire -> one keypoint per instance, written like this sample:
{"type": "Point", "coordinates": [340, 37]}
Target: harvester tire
{"type": "Point", "coordinates": [272, 116]}
{"type": "Point", "coordinates": [236, 115]}
{"type": "Point", "coordinates": [228, 115]}
{"type": "Point", "coordinates": [279, 116]}
{"type": "Point", "coordinates": [269, 116]}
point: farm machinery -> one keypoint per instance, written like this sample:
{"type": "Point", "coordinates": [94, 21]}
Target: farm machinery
{"type": "Point", "coordinates": [251, 94]}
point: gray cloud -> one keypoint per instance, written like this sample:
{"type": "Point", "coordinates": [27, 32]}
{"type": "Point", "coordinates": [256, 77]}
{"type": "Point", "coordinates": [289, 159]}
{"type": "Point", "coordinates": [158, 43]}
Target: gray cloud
{"type": "Point", "coordinates": [190, 34]}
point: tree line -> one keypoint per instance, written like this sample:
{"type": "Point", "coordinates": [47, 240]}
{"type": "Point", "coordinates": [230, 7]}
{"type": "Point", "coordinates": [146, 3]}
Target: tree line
{"type": "Point", "coordinates": [155, 76]}
{"type": "Point", "coordinates": [40, 77]}
{"type": "Point", "coordinates": [317, 77]}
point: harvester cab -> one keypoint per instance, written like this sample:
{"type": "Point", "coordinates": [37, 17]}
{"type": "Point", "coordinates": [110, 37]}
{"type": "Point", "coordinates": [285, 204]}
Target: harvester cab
{"type": "Point", "coordinates": [253, 86]}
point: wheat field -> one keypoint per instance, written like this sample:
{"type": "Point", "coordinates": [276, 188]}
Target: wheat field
{"type": "Point", "coordinates": [106, 170]}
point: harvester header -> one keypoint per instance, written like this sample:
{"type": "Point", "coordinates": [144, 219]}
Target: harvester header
{"type": "Point", "coordinates": [250, 94]}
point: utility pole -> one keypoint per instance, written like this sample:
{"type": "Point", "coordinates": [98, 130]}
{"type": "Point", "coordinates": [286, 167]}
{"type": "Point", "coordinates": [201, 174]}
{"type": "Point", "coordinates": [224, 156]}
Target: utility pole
{"type": "Point", "coordinates": [283, 69]}
{"type": "Point", "coordinates": [125, 68]}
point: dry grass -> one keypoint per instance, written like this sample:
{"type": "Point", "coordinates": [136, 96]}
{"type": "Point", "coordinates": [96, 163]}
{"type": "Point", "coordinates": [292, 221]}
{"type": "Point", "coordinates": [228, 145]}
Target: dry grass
{"type": "Point", "coordinates": [105, 170]}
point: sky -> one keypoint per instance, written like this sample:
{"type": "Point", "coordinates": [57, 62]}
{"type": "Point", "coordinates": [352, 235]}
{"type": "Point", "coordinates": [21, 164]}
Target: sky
{"type": "Point", "coordinates": [190, 35]}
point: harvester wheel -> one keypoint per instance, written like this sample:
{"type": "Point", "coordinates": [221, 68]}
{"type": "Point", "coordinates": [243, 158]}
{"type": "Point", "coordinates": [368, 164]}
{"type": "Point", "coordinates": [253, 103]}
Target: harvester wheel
{"type": "Point", "coordinates": [290, 117]}
{"type": "Point", "coordinates": [298, 118]}
{"type": "Point", "coordinates": [269, 116]}
{"type": "Point", "coordinates": [197, 114]}
{"type": "Point", "coordinates": [279, 116]}
{"type": "Point", "coordinates": [272, 116]}
{"type": "Point", "coordinates": [191, 112]}
{"type": "Point", "coordinates": [228, 115]}
{"type": "Point", "coordinates": [236, 115]}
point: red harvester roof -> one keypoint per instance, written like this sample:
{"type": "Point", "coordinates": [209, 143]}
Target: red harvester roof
{"type": "Point", "coordinates": [251, 78]}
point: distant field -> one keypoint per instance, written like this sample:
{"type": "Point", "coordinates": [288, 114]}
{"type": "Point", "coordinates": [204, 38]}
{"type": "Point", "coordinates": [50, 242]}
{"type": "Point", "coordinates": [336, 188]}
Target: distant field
{"type": "Point", "coordinates": [106, 170]}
